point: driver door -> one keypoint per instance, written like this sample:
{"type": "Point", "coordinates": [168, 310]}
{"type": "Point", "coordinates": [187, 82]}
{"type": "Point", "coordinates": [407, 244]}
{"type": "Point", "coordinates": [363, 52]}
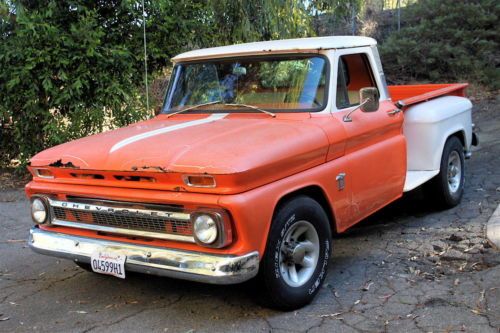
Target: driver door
{"type": "Point", "coordinates": [375, 148]}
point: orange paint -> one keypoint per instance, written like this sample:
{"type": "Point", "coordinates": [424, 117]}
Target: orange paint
{"type": "Point", "coordinates": [413, 94]}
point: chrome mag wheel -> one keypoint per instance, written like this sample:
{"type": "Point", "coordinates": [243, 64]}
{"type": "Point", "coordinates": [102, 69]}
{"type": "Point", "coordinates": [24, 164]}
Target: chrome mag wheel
{"type": "Point", "coordinates": [299, 253]}
{"type": "Point", "coordinates": [454, 172]}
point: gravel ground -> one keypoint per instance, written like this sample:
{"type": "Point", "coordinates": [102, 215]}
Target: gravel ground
{"type": "Point", "coordinates": [408, 268]}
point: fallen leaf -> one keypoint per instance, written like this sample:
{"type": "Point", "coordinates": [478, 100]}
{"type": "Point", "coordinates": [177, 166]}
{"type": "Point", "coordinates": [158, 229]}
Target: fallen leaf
{"type": "Point", "coordinates": [367, 286]}
{"type": "Point", "coordinates": [474, 264]}
{"type": "Point", "coordinates": [386, 296]}
{"type": "Point", "coordinates": [330, 315]}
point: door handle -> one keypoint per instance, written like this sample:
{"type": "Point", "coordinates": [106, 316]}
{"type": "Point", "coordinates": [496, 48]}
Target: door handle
{"type": "Point", "coordinates": [394, 112]}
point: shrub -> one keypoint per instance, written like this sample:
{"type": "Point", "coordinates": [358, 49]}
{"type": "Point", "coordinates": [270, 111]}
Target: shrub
{"type": "Point", "coordinates": [446, 40]}
{"type": "Point", "coordinates": [60, 80]}
{"type": "Point", "coordinates": [74, 68]}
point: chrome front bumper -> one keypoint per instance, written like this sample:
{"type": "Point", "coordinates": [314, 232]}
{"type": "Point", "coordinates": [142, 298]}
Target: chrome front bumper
{"type": "Point", "coordinates": [194, 266]}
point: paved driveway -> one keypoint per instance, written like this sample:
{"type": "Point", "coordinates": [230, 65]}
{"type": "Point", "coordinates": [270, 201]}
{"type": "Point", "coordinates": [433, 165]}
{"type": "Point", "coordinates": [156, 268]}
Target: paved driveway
{"type": "Point", "coordinates": [409, 268]}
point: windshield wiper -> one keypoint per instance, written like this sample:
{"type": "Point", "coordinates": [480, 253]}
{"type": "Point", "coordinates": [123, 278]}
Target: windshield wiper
{"type": "Point", "coordinates": [251, 107]}
{"type": "Point", "coordinates": [194, 107]}
{"type": "Point", "coordinates": [225, 104]}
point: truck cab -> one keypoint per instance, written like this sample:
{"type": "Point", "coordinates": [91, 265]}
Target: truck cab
{"type": "Point", "coordinates": [259, 154]}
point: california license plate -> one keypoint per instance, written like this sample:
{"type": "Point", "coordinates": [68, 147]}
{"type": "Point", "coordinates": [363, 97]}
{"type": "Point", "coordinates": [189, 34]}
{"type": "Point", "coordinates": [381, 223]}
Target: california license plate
{"type": "Point", "coordinates": [109, 263]}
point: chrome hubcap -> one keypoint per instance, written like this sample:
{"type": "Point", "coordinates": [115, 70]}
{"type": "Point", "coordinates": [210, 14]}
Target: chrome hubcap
{"type": "Point", "coordinates": [454, 171]}
{"type": "Point", "coordinates": [299, 254]}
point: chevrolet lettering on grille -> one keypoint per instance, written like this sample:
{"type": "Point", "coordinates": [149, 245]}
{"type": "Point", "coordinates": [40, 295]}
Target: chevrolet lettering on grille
{"type": "Point", "coordinates": [110, 210]}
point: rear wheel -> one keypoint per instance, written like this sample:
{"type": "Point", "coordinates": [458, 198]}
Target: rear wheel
{"type": "Point", "coordinates": [296, 260]}
{"type": "Point", "coordinates": [447, 187]}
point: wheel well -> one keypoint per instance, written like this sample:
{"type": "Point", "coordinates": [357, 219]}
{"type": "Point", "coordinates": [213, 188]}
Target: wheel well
{"type": "Point", "coordinates": [315, 192]}
{"type": "Point", "coordinates": [460, 135]}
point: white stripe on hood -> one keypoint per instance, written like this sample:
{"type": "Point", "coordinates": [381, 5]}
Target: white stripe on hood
{"type": "Point", "coordinates": [138, 137]}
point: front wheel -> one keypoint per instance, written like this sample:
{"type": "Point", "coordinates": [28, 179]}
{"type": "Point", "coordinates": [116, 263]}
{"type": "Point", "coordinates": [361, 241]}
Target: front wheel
{"type": "Point", "coordinates": [447, 187]}
{"type": "Point", "coordinates": [295, 263]}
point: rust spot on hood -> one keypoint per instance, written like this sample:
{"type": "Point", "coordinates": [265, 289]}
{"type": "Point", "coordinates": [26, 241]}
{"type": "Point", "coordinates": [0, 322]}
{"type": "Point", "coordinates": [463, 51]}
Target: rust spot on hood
{"type": "Point", "coordinates": [154, 167]}
{"type": "Point", "coordinates": [60, 164]}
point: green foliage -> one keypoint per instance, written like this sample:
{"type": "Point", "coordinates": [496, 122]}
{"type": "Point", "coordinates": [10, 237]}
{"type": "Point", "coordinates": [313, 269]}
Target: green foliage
{"type": "Point", "coordinates": [241, 21]}
{"type": "Point", "coordinates": [447, 40]}
{"type": "Point", "coordinates": [70, 69]}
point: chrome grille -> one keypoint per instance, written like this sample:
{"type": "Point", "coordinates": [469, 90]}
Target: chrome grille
{"type": "Point", "coordinates": [124, 221]}
{"type": "Point", "coordinates": [123, 218]}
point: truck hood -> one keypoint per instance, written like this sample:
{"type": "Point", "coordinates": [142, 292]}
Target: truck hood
{"type": "Point", "coordinates": [255, 148]}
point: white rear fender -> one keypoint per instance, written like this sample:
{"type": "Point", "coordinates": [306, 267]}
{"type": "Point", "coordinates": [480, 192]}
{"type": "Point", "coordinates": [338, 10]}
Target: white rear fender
{"type": "Point", "coordinates": [428, 125]}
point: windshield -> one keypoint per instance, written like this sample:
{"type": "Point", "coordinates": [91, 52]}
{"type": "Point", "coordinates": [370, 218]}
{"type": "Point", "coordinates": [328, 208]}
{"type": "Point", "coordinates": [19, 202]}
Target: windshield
{"type": "Point", "coordinates": [292, 83]}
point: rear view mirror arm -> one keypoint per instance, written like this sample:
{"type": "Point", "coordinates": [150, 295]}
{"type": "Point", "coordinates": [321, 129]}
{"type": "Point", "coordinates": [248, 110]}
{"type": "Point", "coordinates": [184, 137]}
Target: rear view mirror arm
{"type": "Point", "coordinates": [347, 118]}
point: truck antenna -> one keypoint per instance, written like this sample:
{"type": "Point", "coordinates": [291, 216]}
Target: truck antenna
{"type": "Point", "coordinates": [145, 55]}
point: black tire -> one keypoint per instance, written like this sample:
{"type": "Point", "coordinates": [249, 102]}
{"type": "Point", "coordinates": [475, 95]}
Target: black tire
{"type": "Point", "coordinates": [275, 291]}
{"type": "Point", "coordinates": [438, 188]}
{"type": "Point", "coordinates": [84, 265]}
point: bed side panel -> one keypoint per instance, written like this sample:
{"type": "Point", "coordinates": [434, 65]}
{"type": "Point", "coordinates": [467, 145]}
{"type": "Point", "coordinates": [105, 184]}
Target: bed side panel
{"type": "Point", "coordinates": [428, 125]}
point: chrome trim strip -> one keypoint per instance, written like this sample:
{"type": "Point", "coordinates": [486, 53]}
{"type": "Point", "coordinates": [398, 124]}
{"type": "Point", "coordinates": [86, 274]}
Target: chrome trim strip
{"type": "Point", "coordinates": [121, 231]}
{"type": "Point", "coordinates": [134, 211]}
{"type": "Point", "coordinates": [194, 266]}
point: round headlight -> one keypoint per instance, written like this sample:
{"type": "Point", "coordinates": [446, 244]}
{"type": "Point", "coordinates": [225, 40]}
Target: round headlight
{"type": "Point", "coordinates": [38, 211]}
{"type": "Point", "coordinates": [205, 228]}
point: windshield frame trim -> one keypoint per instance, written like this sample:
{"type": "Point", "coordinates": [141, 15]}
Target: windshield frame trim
{"type": "Point", "coordinates": [265, 56]}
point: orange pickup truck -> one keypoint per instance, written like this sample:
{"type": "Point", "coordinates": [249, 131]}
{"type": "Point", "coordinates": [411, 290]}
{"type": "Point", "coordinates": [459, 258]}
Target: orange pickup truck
{"type": "Point", "coordinates": [260, 153]}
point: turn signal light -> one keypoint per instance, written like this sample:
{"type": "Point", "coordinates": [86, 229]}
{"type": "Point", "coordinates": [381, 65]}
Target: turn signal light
{"type": "Point", "coordinates": [199, 180]}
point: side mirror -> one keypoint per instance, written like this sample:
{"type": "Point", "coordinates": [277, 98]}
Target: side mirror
{"type": "Point", "coordinates": [368, 102]}
{"type": "Point", "coordinates": [368, 99]}
{"type": "Point", "coordinates": [158, 110]}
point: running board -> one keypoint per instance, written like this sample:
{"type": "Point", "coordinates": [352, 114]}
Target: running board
{"type": "Point", "coordinates": [416, 178]}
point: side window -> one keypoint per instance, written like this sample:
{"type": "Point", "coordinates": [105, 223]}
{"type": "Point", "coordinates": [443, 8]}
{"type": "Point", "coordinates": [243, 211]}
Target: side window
{"type": "Point", "coordinates": [354, 73]}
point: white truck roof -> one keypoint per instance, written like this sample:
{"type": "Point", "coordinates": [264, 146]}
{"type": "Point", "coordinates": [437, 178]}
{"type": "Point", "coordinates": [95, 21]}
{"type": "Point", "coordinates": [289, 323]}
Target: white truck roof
{"type": "Point", "coordinates": [278, 46]}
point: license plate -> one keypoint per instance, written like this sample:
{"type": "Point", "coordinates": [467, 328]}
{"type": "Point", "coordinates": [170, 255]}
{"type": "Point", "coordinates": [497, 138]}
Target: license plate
{"type": "Point", "coordinates": [109, 263]}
